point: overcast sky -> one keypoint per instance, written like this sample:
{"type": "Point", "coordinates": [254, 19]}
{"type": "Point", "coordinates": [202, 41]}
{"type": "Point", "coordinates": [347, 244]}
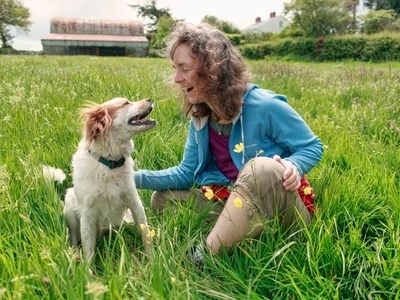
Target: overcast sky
{"type": "Point", "coordinates": [240, 13]}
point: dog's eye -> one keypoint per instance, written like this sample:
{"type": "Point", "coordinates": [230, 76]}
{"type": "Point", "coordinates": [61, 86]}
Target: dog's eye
{"type": "Point", "coordinates": [127, 103]}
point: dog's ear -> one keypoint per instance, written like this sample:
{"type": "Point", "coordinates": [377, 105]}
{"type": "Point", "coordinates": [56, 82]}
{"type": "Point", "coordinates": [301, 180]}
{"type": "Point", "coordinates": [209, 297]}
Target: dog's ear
{"type": "Point", "coordinates": [97, 122]}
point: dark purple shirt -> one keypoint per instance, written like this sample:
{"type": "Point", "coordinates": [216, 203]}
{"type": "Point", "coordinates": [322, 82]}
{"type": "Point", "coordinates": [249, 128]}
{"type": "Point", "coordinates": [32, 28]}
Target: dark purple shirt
{"type": "Point", "coordinates": [219, 145]}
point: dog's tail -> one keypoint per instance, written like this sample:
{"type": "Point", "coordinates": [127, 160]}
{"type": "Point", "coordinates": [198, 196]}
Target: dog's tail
{"type": "Point", "coordinates": [53, 174]}
{"type": "Point", "coordinates": [56, 176]}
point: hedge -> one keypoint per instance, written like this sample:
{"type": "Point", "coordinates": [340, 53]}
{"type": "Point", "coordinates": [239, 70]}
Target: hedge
{"type": "Point", "coordinates": [376, 48]}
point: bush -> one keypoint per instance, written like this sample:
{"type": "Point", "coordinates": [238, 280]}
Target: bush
{"type": "Point", "coordinates": [235, 39]}
{"type": "Point", "coordinates": [253, 51]}
{"type": "Point", "coordinates": [343, 48]}
{"type": "Point", "coordinates": [7, 50]}
{"type": "Point", "coordinates": [378, 47]}
{"type": "Point", "coordinates": [382, 48]}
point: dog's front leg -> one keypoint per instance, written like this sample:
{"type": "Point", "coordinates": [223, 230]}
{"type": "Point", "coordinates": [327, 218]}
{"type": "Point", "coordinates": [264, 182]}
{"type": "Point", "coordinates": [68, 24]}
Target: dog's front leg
{"type": "Point", "coordinates": [89, 235]}
{"type": "Point", "coordinates": [139, 215]}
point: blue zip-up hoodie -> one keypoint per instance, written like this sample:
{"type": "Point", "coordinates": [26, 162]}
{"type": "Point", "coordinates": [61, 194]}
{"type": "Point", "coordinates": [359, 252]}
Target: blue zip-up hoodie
{"type": "Point", "coordinates": [266, 125]}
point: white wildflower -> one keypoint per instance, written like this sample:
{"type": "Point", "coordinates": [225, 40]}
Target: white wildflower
{"type": "Point", "coordinates": [260, 152]}
{"type": "Point", "coordinates": [4, 177]}
{"type": "Point", "coordinates": [24, 277]}
{"type": "Point", "coordinates": [96, 289]}
{"type": "Point", "coordinates": [2, 292]}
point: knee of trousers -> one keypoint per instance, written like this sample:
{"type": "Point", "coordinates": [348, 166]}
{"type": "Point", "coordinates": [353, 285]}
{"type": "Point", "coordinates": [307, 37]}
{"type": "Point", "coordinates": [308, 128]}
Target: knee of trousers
{"type": "Point", "coordinates": [157, 201]}
{"type": "Point", "coordinates": [260, 177]}
{"type": "Point", "coordinates": [261, 180]}
{"type": "Point", "coordinates": [264, 170]}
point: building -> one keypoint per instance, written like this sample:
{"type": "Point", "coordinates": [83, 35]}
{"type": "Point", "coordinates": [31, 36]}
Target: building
{"type": "Point", "coordinates": [274, 24]}
{"type": "Point", "coordinates": [81, 36]}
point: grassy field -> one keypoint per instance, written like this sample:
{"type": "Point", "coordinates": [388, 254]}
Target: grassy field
{"type": "Point", "coordinates": [351, 250]}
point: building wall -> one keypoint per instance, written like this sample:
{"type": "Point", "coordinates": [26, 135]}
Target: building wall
{"type": "Point", "coordinates": [55, 50]}
{"type": "Point", "coordinates": [73, 36]}
{"type": "Point", "coordinates": [94, 50]}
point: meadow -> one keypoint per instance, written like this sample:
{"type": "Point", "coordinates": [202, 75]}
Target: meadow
{"type": "Point", "coordinates": [350, 251]}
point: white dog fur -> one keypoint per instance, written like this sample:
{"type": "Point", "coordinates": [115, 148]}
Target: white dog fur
{"type": "Point", "coordinates": [101, 195]}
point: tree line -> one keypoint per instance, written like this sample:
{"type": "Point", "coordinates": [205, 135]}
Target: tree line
{"type": "Point", "coordinates": [308, 19]}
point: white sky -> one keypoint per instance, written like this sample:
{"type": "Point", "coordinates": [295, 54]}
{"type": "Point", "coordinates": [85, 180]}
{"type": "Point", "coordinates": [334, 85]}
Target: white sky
{"type": "Point", "coordinates": [238, 12]}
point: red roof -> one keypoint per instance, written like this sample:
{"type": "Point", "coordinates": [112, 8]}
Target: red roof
{"type": "Point", "coordinates": [92, 37]}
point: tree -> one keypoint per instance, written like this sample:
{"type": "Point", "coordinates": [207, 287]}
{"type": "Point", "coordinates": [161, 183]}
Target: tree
{"type": "Point", "coordinates": [379, 20]}
{"type": "Point", "coordinates": [352, 7]}
{"type": "Point", "coordinates": [291, 31]}
{"type": "Point", "coordinates": [317, 18]}
{"type": "Point", "coordinates": [164, 25]}
{"type": "Point", "coordinates": [224, 26]}
{"type": "Point", "coordinates": [12, 15]}
{"type": "Point", "coordinates": [151, 12]}
{"type": "Point", "coordinates": [384, 5]}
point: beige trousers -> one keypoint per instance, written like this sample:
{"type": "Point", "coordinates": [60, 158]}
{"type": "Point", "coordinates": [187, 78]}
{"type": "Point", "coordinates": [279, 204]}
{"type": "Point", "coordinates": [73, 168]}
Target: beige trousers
{"type": "Point", "coordinates": [260, 181]}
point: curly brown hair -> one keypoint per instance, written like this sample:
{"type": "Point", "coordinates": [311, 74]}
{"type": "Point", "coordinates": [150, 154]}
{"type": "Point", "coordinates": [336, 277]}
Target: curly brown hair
{"type": "Point", "coordinates": [222, 74]}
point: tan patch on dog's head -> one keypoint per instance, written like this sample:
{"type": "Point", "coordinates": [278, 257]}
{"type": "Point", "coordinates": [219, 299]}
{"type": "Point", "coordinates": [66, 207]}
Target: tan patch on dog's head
{"type": "Point", "coordinates": [98, 119]}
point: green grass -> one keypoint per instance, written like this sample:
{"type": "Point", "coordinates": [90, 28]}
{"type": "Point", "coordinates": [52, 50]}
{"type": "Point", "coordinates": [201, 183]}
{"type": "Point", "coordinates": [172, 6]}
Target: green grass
{"type": "Point", "coordinates": [350, 251]}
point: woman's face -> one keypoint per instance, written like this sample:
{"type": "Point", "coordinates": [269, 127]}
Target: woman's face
{"type": "Point", "coordinates": [185, 73]}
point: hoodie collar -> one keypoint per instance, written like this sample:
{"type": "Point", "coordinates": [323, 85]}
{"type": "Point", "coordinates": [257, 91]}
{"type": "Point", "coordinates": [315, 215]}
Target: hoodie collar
{"type": "Point", "coordinates": [199, 123]}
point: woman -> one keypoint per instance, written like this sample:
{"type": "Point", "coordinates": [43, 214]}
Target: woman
{"type": "Point", "coordinates": [240, 136]}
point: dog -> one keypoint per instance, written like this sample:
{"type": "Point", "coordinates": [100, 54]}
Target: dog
{"type": "Point", "coordinates": [103, 189]}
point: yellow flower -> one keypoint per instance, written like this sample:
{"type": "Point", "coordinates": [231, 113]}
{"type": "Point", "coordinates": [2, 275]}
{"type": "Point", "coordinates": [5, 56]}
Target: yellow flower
{"type": "Point", "coordinates": [151, 233]}
{"type": "Point", "coordinates": [307, 190]}
{"type": "Point", "coordinates": [173, 279]}
{"type": "Point", "coordinates": [142, 227]}
{"type": "Point", "coordinates": [238, 203]}
{"type": "Point", "coordinates": [239, 148]}
{"type": "Point", "coordinates": [209, 194]}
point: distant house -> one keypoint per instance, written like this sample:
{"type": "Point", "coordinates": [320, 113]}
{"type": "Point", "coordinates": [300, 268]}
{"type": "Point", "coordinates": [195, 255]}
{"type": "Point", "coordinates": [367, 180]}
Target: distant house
{"type": "Point", "coordinates": [274, 24]}
{"type": "Point", "coordinates": [77, 36]}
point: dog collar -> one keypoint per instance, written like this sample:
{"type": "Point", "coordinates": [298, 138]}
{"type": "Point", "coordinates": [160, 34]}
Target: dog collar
{"type": "Point", "coordinates": [112, 164]}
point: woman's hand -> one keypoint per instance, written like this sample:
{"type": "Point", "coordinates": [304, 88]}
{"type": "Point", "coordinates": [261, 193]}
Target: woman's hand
{"type": "Point", "coordinates": [291, 177]}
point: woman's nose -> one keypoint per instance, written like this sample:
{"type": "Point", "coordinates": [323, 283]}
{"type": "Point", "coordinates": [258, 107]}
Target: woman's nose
{"type": "Point", "coordinates": [178, 77]}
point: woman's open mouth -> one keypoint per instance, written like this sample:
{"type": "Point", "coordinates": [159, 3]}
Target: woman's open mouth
{"type": "Point", "coordinates": [187, 89]}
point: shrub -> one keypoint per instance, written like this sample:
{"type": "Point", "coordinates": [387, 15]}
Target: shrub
{"type": "Point", "coordinates": [378, 47]}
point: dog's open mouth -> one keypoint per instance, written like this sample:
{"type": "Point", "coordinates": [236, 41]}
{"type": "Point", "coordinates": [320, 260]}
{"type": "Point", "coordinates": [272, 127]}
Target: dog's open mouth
{"type": "Point", "coordinates": [140, 119]}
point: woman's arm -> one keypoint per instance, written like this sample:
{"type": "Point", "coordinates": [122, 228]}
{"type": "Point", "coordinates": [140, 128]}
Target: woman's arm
{"type": "Point", "coordinates": [177, 177]}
